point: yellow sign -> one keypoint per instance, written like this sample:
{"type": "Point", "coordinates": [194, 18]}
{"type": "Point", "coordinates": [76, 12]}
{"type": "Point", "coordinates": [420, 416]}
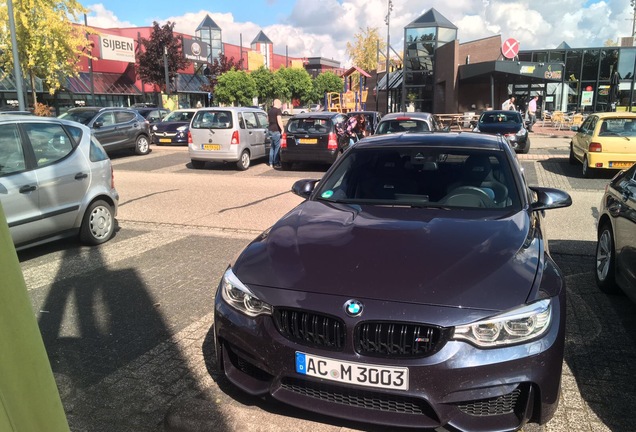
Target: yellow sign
{"type": "Point", "coordinates": [170, 102]}
{"type": "Point", "coordinates": [255, 60]}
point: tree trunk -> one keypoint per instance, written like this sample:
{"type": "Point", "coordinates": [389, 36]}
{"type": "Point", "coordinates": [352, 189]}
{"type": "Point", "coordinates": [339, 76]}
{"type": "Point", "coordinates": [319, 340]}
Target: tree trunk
{"type": "Point", "coordinates": [35, 97]}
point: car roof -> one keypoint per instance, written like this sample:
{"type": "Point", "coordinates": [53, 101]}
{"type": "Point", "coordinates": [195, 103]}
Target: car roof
{"type": "Point", "coordinates": [465, 140]}
{"type": "Point", "coordinates": [234, 109]}
{"type": "Point", "coordinates": [619, 114]}
{"type": "Point", "coordinates": [318, 114]}
{"type": "Point", "coordinates": [39, 119]}
{"type": "Point", "coordinates": [507, 112]}
{"type": "Point", "coordinates": [411, 115]}
{"type": "Point", "coordinates": [95, 108]}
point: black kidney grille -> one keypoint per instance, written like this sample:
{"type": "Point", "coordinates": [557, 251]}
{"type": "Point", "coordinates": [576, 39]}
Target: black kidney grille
{"type": "Point", "coordinates": [397, 339]}
{"type": "Point", "coordinates": [357, 398]}
{"type": "Point", "coordinates": [310, 328]}
{"type": "Point", "coordinates": [505, 404]}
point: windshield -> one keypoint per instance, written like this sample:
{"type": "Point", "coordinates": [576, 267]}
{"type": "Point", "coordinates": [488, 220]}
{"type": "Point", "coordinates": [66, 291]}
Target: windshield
{"type": "Point", "coordinates": [179, 116]}
{"type": "Point", "coordinates": [422, 177]}
{"type": "Point", "coordinates": [498, 118]}
{"type": "Point", "coordinates": [84, 117]}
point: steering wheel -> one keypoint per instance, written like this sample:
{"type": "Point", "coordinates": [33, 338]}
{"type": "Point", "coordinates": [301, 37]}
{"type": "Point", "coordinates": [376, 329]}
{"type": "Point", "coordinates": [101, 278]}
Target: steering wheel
{"type": "Point", "coordinates": [472, 191]}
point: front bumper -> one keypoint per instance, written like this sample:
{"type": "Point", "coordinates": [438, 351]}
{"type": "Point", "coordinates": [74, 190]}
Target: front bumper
{"type": "Point", "coordinates": [169, 138]}
{"type": "Point", "coordinates": [460, 385]}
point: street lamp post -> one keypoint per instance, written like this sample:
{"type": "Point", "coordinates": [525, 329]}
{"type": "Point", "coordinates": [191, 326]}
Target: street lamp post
{"type": "Point", "coordinates": [16, 60]}
{"type": "Point", "coordinates": [387, 20]}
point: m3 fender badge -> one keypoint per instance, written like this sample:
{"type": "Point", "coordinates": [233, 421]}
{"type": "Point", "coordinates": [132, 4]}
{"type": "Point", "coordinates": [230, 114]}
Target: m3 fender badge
{"type": "Point", "coordinates": [353, 308]}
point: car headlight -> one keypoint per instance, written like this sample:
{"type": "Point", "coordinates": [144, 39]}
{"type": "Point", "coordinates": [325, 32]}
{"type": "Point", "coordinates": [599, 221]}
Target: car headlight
{"type": "Point", "coordinates": [154, 128]}
{"type": "Point", "coordinates": [241, 298]}
{"type": "Point", "coordinates": [182, 128]}
{"type": "Point", "coordinates": [521, 132]}
{"type": "Point", "coordinates": [512, 327]}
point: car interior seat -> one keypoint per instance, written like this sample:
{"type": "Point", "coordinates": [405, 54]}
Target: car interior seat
{"type": "Point", "coordinates": [390, 178]}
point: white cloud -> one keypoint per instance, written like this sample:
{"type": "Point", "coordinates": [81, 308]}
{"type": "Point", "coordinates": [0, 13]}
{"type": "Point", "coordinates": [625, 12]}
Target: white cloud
{"type": "Point", "coordinates": [323, 27]}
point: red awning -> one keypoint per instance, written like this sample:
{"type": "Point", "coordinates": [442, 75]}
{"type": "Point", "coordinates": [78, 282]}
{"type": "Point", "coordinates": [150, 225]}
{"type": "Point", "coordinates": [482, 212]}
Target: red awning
{"type": "Point", "coordinates": [355, 69]}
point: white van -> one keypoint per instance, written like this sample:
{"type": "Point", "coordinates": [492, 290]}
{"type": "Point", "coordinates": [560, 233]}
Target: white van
{"type": "Point", "coordinates": [228, 134]}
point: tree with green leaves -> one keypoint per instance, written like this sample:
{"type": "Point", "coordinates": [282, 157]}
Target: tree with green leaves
{"type": "Point", "coordinates": [150, 63]}
{"type": "Point", "coordinates": [363, 52]}
{"type": "Point", "coordinates": [269, 85]}
{"type": "Point", "coordinates": [236, 88]}
{"type": "Point", "coordinates": [218, 67]}
{"type": "Point", "coordinates": [50, 42]}
{"type": "Point", "coordinates": [326, 82]}
{"type": "Point", "coordinates": [298, 82]}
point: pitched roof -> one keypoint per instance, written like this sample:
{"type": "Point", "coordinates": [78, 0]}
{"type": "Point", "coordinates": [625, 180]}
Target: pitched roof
{"type": "Point", "coordinates": [564, 45]}
{"type": "Point", "coordinates": [432, 18]}
{"type": "Point", "coordinates": [261, 38]}
{"type": "Point", "coordinates": [208, 23]}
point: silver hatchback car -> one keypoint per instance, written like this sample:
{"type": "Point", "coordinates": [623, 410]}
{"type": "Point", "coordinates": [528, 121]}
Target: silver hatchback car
{"type": "Point", "coordinates": [56, 181]}
{"type": "Point", "coordinates": [228, 134]}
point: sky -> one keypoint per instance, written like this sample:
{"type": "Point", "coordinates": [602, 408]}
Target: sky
{"type": "Point", "coordinates": [322, 28]}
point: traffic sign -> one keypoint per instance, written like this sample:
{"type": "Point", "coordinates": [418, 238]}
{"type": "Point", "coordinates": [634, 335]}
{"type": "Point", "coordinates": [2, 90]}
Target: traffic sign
{"type": "Point", "coordinates": [510, 48]}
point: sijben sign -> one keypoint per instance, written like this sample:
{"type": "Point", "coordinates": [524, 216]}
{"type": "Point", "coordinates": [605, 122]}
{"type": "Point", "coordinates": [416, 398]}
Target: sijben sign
{"type": "Point", "coordinates": [195, 50]}
{"type": "Point", "coordinates": [117, 48]}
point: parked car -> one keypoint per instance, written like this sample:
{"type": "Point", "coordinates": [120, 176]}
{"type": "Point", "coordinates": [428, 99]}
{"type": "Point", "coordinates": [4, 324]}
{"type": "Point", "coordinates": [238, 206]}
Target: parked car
{"type": "Point", "coordinates": [173, 129]}
{"type": "Point", "coordinates": [153, 115]}
{"type": "Point", "coordinates": [616, 246]}
{"type": "Point", "coordinates": [408, 122]}
{"type": "Point", "coordinates": [315, 107]}
{"type": "Point", "coordinates": [288, 111]}
{"type": "Point", "coordinates": [56, 181]}
{"type": "Point", "coordinates": [372, 119]}
{"type": "Point", "coordinates": [509, 124]}
{"type": "Point", "coordinates": [604, 141]}
{"type": "Point", "coordinates": [312, 137]}
{"type": "Point", "coordinates": [115, 128]}
{"type": "Point", "coordinates": [412, 287]}
{"type": "Point", "coordinates": [229, 134]}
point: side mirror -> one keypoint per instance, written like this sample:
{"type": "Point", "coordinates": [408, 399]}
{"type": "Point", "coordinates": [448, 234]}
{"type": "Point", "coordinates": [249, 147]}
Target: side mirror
{"type": "Point", "coordinates": [304, 188]}
{"type": "Point", "coordinates": [550, 198]}
{"type": "Point", "coordinates": [575, 128]}
{"type": "Point", "coordinates": [98, 124]}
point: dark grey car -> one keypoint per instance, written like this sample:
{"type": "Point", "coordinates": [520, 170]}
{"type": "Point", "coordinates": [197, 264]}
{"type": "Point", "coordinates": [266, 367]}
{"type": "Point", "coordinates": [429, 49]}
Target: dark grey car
{"type": "Point", "coordinates": [115, 128]}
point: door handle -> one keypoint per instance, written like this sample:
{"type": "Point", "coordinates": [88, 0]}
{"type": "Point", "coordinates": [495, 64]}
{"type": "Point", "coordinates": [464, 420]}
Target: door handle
{"type": "Point", "coordinates": [80, 176]}
{"type": "Point", "coordinates": [27, 188]}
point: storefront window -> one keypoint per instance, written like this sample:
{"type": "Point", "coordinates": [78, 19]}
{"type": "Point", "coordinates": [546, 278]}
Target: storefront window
{"type": "Point", "coordinates": [602, 97]}
{"type": "Point", "coordinates": [420, 34]}
{"type": "Point", "coordinates": [609, 59]}
{"type": "Point", "coordinates": [626, 62]}
{"type": "Point", "coordinates": [446, 35]}
{"type": "Point", "coordinates": [557, 56]}
{"type": "Point", "coordinates": [590, 64]}
{"type": "Point", "coordinates": [540, 57]}
{"type": "Point", "coordinates": [573, 66]}
{"type": "Point", "coordinates": [419, 78]}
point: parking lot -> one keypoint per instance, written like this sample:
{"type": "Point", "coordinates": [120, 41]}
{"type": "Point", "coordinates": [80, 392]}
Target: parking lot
{"type": "Point", "coordinates": [127, 324]}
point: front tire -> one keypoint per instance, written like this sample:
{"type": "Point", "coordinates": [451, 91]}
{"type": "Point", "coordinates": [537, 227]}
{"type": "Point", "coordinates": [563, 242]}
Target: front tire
{"type": "Point", "coordinates": [142, 145]}
{"type": "Point", "coordinates": [605, 256]}
{"type": "Point", "coordinates": [244, 161]}
{"type": "Point", "coordinates": [526, 148]}
{"type": "Point", "coordinates": [98, 224]}
{"type": "Point", "coordinates": [572, 159]}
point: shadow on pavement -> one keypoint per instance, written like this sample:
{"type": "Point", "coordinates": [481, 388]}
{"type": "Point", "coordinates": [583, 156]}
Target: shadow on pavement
{"type": "Point", "coordinates": [105, 337]}
{"type": "Point", "coordinates": [600, 348]}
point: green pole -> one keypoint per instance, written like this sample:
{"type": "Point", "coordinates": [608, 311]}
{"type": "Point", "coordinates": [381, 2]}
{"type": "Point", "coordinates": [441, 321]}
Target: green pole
{"type": "Point", "coordinates": [29, 398]}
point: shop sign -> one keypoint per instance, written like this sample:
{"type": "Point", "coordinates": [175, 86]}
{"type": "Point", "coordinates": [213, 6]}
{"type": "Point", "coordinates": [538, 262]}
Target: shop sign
{"type": "Point", "coordinates": [603, 90]}
{"type": "Point", "coordinates": [553, 74]}
{"type": "Point", "coordinates": [586, 98]}
{"type": "Point", "coordinates": [195, 50]}
{"type": "Point", "coordinates": [117, 48]}
{"type": "Point", "coordinates": [527, 70]}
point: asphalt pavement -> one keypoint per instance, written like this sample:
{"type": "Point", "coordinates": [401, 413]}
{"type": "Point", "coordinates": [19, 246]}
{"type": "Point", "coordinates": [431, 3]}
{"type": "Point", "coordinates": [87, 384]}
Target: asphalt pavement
{"type": "Point", "coordinates": [127, 324]}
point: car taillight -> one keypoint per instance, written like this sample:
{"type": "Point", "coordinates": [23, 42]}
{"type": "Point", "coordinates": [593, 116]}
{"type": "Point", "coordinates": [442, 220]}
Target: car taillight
{"type": "Point", "coordinates": [189, 137]}
{"type": "Point", "coordinates": [595, 147]}
{"type": "Point", "coordinates": [235, 138]}
{"type": "Point", "coordinates": [283, 140]}
{"type": "Point", "coordinates": [333, 142]}
{"type": "Point", "coordinates": [112, 178]}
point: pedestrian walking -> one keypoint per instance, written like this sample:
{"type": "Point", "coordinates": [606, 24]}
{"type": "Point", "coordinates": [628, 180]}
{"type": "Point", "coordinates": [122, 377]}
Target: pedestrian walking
{"type": "Point", "coordinates": [275, 118]}
{"type": "Point", "coordinates": [532, 112]}
{"type": "Point", "coordinates": [509, 104]}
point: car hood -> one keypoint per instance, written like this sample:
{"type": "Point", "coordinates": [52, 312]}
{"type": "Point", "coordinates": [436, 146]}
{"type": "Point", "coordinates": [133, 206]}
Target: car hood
{"type": "Point", "coordinates": [400, 254]}
{"type": "Point", "coordinates": [502, 128]}
{"type": "Point", "coordinates": [169, 126]}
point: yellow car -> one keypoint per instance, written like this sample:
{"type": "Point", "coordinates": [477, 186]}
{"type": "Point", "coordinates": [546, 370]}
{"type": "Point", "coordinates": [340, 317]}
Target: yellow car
{"type": "Point", "coordinates": [605, 141]}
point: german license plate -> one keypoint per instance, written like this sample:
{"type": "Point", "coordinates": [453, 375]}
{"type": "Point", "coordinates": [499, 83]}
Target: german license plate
{"type": "Point", "coordinates": [308, 141]}
{"type": "Point", "coordinates": [166, 140]}
{"type": "Point", "coordinates": [361, 374]}
{"type": "Point", "coordinates": [620, 164]}
{"type": "Point", "coordinates": [211, 147]}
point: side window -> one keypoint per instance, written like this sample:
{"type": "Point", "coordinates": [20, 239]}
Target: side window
{"type": "Point", "coordinates": [11, 152]}
{"type": "Point", "coordinates": [107, 119]}
{"type": "Point", "coordinates": [262, 120]}
{"type": "Point", "coordinates": [241, 120]}
{"type": "Point", "coordinates": [49, 141]}
{"type": "Point", "coordinates": [75, 132]}
{"type": "Point", "coordinates": [96, 152]}
{"type": "Point", "coordinates": [250, 120]}
{"type": "Point", "coordinates": [124, 117]}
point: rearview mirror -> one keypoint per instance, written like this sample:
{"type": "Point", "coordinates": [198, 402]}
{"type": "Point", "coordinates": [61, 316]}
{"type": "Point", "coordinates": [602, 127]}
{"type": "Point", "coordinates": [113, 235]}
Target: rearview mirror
{"type": "Point", "coordinates": [304, 188]}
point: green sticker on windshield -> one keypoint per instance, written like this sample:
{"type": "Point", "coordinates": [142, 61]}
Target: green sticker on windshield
{"type": "Point", "coordinates": [327, 194]}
